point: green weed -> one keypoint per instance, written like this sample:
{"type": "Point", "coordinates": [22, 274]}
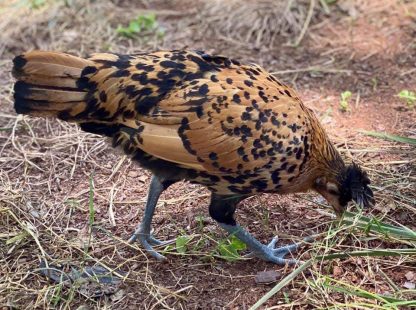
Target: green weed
{"type": "Point", "coordinates": [330, 1]}
{"type": "Point", "coordinates": [200, 221]}
{"type": "Point", "coordinates": [390, 137]}
{"type": "Point", "coordinates": [344, 104]}
{"type": "Point", "coordinates": [408, 96]}
{"type": "Point", "coordinates": [347, 289]}
{"type": "Point", "coordinates": [143, 24]}
{"type": "Point", "coordinates": [91, 203]}
{"type": "Point", "coordinates": [229, 248]}
{"type": "Point", "coordinates": [73, 203]}
{"type": "Point", "coordinates": [326, 4]}
{"type": "Point", "coordinates": [32, 4]}
{"type": "Point", "coordinates": [182, 243]}
{"type": "Point", "coordinates": [57, 295]}
{"type": "Point", "coordinates": [36, 4]}
{"type": "Point", "coordinates": [374, 81]}
{"type": "Point", "coordinates": [17, 238]}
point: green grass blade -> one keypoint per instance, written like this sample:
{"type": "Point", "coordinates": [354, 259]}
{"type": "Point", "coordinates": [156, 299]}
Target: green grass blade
{"type": "Point", "coordinates": [348, 289]}
{"type": "Point", "coordinates": [91, 202]}
{"type": "Point", "coordinates": [376, 226]}
{"type": "Point", "coordinates": [388, 136]}
{"type": "Point", "coordinates": [404, 303]}
{"type": "Point", "coordinates": [361, 293]}
{"type": "Point", "coordinates": [379, 252]}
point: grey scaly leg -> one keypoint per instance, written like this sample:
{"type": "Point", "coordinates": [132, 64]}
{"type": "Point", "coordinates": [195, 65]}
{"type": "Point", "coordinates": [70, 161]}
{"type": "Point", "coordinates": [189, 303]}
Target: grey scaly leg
{"type": "Point", "coordinates": [142, 232]}
{"type": "Point", "coordinates": [222, 209]}
{"type": "Point", "coordinates": [266, 252]}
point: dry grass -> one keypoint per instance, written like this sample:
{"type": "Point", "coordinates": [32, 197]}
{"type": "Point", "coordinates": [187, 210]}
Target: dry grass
{"type": "Point", "coordinates": [46, 213]}
{"type": "Point", "coordinates": [264, 23]}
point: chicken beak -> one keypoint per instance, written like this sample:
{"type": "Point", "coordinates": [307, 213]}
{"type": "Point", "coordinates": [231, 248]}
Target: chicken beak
{"type": "Point", "coordinates": [333, 200]}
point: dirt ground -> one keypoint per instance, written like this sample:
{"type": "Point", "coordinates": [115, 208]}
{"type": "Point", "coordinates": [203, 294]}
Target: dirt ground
{"type": "Point", "coordinates": [367, 47]}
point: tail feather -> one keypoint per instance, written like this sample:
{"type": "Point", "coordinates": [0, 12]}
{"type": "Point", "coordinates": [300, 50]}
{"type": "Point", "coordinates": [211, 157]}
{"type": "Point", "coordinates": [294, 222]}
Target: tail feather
{"type": "Point", "coordinates": [47, 57]}
{"type": "Point", "coordinates": [51, 70]}
{"type": "Point", "coordinates": [36, 79]}
{"type": "Point", "coordinates": [48, 93]}
{"type": "Point", "coordinates": [48, 83]}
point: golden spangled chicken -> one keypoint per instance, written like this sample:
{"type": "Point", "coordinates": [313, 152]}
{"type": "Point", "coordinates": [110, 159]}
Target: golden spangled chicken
{"type": "Point", "coordinates": [187, 115]}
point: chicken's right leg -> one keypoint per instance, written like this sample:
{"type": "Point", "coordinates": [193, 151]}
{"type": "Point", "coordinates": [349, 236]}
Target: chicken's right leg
{"type": "Point", "coordinates": [222, 209]}
{"type": "Point", "coordinates": [142, 232]}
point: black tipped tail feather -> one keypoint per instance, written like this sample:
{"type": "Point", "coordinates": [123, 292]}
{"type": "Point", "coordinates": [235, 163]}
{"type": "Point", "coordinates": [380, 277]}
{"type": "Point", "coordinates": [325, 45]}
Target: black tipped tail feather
{"type": "Point", "coordinates": [49, 84]}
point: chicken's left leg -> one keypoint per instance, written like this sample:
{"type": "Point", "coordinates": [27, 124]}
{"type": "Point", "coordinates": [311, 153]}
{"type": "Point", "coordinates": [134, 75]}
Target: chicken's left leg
{"type": "Point", "coordinates": [142, 232]}
{"type": "Point", "coordinates": [222, 210]}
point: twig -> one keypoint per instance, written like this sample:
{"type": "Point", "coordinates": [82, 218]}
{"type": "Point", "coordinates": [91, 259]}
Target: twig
{"type": "Point", "coordinates": [306, 24]}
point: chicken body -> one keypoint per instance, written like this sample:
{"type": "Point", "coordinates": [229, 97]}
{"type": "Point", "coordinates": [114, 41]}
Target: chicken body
{"type": "Point", "coordinates": [188, 115]}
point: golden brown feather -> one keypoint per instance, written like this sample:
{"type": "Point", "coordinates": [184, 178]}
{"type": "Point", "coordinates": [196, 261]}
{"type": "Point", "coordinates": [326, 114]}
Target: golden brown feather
{"type": "Point", "coordinates": [197, 111]}
{"type": "Point", "coordinates": [231, 127]}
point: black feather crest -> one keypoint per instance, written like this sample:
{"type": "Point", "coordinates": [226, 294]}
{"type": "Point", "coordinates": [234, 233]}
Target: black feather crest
{"type": "Point", "coordinates": [354, 186]}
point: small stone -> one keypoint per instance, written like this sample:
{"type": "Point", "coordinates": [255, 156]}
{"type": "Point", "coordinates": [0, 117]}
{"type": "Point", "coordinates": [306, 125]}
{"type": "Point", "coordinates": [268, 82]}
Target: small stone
{"type": "Point", "coordinates": [269, 276]}
{"type": "Point", "coordinates": [118, 295]}
{"type": "Point", "coordinates": [142, 178]}
{"type": "Point", "coordinates": [35, 214]}
{"type": "Point", "coordinates": [133, 174]}
{"type": "Point", "coordinates": [410, 276]}
{"type": "Point", "coordinates": [337, 271]}
{"type": "Point", "coordinates": [409, 285]}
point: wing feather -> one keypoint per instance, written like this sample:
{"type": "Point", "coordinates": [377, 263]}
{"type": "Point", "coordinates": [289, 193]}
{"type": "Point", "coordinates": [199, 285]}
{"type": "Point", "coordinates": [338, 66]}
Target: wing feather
{"type": "Point", "coordinates": [222, 118]}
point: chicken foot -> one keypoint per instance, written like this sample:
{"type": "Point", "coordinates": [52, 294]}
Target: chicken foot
{"type": "Point", "coordinates": [266, 252]}
{"type": "Point", "coordinates": [142, 232]}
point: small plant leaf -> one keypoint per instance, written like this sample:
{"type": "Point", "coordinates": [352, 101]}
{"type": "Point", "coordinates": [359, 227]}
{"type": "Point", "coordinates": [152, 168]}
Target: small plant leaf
{"type": "Point", "coordinates": [142, 24]}
{"type": "Point", "coordinates": [237, 244]}
{"type": "Point", "coordinates": [409, 96]}
{"type": "Point", "coordinates": [134, 27]}
{"type": "Point", "coordinates": [344, 105]}
{"type": "Point", "coordinates": [228, 252]}
{"type": "Point", "coordinates": [36, 4]}
{"type": "Point", "coordinates": [181, 243]}
{"type": "Point", "coordinates": [346, 95]}
{"type": "Point", "coordinates": [17, 238]}
{"type": "Point", "coordinates": [229, 248]}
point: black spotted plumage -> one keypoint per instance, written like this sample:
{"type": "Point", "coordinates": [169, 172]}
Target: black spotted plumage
{"type": "Point", "coordinates": [231, 127]}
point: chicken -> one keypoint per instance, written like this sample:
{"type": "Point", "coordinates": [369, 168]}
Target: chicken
{"type": "Point", "coordinates": [187, 115]}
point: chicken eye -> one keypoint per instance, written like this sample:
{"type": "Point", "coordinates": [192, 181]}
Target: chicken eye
{"type": "Point", "coordinates": [333, 192]}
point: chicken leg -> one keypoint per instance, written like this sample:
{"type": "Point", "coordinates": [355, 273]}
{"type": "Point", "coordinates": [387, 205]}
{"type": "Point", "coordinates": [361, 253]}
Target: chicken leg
{"type": "Point", "coordinates": [222, 209]}
{"type": "Point", "coordinates": [266, 252]}
{"type": "Point", "coordinates": [142, 232]}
